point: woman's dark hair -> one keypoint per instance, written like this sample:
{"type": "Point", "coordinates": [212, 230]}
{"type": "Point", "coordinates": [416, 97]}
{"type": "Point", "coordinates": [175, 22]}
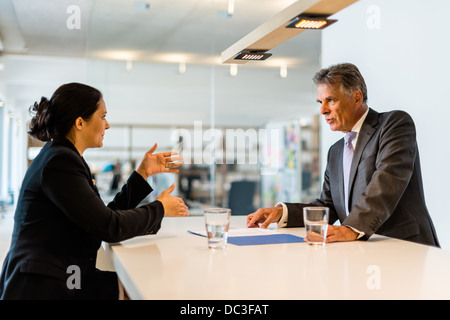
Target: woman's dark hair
{"type": "Point", "coordinates": [54, 118]}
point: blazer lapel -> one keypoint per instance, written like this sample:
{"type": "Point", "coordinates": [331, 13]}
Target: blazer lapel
{"type": "Point", "coordinates": [367, 130]}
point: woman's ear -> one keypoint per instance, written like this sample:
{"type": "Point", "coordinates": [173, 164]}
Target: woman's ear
{"type": "Point", "coordinates": [79, 123]}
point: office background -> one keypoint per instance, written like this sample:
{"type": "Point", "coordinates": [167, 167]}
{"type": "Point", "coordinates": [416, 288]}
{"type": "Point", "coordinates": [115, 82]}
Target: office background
{"type": "Point", "coordinates": [178, 80]}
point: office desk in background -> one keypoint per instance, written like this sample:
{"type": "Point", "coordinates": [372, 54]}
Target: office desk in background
{"type": "Point", "coordinates": [175, 264]}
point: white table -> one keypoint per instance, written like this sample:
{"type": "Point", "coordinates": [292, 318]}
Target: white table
{"type": "Point", "coordinates": [175, 264]}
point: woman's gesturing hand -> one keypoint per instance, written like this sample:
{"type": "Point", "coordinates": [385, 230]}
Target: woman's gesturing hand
{"type": "Point", "coordinates": [154, 163]}
{"type": "Point", "coordinates": [173, 206]}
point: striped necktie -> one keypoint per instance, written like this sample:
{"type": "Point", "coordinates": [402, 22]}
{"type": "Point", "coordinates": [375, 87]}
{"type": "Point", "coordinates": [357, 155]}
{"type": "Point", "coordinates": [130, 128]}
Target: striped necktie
{"type": "Point", "coordinates": [347, 161]}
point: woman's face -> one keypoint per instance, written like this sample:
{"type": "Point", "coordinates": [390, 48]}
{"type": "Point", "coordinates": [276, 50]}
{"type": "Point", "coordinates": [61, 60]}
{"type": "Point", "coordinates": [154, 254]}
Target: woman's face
{"type": "Point", "coordinates": [96, 127]}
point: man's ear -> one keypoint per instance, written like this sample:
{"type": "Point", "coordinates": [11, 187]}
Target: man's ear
{"type": "Point", "coordinates": [358, 97]}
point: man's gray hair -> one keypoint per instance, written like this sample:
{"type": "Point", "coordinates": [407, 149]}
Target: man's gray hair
{"type": "Point", "coordinates": [346, 74]}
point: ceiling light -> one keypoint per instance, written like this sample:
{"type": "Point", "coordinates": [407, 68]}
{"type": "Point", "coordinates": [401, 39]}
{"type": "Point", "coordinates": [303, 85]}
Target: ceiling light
{"type": "Point", "coordinates": [233, 70]}
{"type": "Point", "coordinates": [230, 7]}
{"type": "Point", "coordinates": [274, 31]}
{"type": "Point", "coordinates": [310, 22]}
{"type": "Point", "coordinates": [182, 67]}
{"type": "Point", "coordinates": [283, 70]}
{"type": "Point", "coordinates": [252, 55]}
{"type": "Point", "coordinates": [129, 65]}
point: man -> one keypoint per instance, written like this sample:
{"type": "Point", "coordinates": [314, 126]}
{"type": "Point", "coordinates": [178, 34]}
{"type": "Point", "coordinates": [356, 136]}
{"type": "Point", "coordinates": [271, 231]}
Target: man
{"type": "Point", "coordinates": [384, 192]}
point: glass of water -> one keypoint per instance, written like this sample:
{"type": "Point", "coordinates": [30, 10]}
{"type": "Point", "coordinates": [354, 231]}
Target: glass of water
{"type": "Point", "coordinates": [316, 223]}
{"type": "Point", "coordinates": [217, 221]}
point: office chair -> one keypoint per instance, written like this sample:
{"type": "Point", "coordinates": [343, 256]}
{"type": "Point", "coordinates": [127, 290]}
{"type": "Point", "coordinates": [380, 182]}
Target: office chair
{"type": "Point", "coordinates": [240, 197]}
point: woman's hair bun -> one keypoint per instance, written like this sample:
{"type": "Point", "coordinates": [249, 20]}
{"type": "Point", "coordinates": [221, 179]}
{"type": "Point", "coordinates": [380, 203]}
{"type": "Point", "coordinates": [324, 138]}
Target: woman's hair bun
{"type": "Point", "coordinates": [41, 123]}
{"type": "Point", "coordinates": [53, 119]}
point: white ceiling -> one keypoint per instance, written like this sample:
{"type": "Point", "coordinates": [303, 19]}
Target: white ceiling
{"type": "Point", "coordinates": [156, 40]}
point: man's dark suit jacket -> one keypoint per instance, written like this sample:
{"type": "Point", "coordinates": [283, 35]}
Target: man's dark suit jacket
{"type": "Point", "coordinates": [385, 189]}
{"type": "Point", "coordinates": [60, 221]}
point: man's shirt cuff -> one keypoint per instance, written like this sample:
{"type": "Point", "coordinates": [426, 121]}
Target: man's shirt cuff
{"type": "Point", "coordinates": [283, 220]}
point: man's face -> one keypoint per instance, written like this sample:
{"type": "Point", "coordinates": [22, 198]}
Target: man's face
{"type": "Point", "coordinates": [339, 109]}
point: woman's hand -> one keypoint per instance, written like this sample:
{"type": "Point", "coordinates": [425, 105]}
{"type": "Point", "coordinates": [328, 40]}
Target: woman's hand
{"type": "Point", "coordinates": [173, 206]}
{"type": "Point", "coordinates": [154, 163]}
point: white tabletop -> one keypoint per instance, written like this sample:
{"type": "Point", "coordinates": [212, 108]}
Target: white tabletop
{"type": "Point", "coordinates": [175, 264]}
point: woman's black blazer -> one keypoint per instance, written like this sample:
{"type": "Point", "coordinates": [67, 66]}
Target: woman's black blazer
{"type": "Point", "coordinates": [60, 222]}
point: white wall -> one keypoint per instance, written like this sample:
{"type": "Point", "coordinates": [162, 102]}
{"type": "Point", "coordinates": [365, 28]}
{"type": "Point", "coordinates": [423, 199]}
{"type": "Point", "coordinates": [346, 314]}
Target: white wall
{"type": "Point", "coordinates": [401, 47]}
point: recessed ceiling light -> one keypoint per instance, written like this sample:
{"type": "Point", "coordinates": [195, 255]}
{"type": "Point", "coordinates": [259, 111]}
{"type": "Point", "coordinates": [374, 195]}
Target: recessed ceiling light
{"type": "Point", "coordinates": [252, 55]}
{"type": "Point", "coordinates": [310, 22]}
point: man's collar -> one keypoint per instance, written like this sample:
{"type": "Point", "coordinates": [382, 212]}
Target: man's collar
{"type": "Point", "coordinates": [359, 123]}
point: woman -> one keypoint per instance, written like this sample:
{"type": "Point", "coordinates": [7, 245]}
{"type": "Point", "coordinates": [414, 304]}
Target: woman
{"type": "Point", "coordinates": [60, 219]}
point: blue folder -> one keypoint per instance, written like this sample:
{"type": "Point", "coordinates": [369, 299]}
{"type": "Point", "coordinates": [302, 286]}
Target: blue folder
{"type": "Point", "coordinates": [269, 239]}
{"type": "Point", "coordinates": [260, 239]}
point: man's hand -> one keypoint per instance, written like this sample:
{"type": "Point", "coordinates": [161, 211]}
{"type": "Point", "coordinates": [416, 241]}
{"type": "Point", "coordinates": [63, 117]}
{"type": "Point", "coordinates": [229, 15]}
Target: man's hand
{"type": "Point", "coordinates": [264, 216]}
{"type": "Point", "coordinates": [340, 233]}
